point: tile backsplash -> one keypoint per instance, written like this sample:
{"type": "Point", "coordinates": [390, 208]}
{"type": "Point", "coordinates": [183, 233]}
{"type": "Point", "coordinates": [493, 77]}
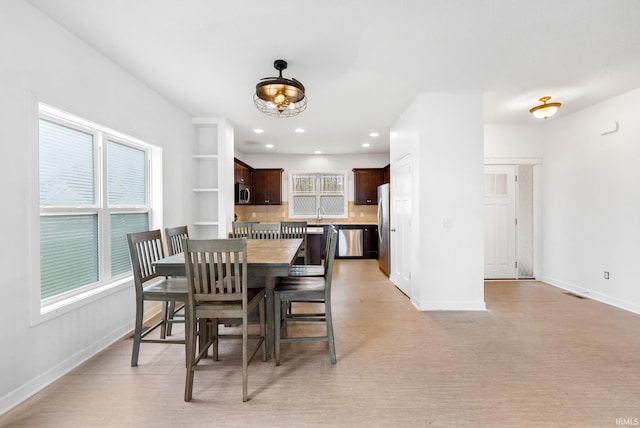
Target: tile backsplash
{"type": "Point", "coordinates": [276, 213]}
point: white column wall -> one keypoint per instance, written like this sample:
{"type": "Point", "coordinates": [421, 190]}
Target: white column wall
{"type": "Point", "coordinates": [447, 219]}
{"type": "Point", "coordinates": [42, 61]}
{"type": "Point", "coordinates": [591, 212]}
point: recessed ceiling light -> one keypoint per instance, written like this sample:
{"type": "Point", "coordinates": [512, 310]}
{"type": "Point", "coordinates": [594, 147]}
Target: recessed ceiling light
{"type": "Point", "coordinates": [258, 131]}
{"type": "Point", "coordinates": [269, 146]}
{"type": "Point", "coordinates": [299, 130]}
{"type": "Point", "coordinates": [366, 144]}
{"type": "Point", "coordinates": [373, 134]}
{"type": "Point", "coordinates": [317, 152]}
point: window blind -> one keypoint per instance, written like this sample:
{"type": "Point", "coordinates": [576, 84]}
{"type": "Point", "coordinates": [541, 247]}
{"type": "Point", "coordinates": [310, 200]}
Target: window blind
{"type": "Point", "coordinates": [68, 253]}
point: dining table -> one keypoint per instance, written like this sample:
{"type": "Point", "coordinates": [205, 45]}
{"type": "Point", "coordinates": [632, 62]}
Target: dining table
{"type": "Point", "coordinates": [266, 258]}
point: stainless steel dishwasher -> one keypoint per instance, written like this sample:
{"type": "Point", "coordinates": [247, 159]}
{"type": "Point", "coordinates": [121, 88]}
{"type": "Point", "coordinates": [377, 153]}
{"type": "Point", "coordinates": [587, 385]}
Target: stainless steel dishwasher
{"type": "Point", "coordinates": [350, 241]}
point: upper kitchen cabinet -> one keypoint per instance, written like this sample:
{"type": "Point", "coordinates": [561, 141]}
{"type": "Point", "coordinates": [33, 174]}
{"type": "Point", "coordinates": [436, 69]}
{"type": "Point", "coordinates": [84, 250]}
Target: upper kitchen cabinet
{"type": "Point", "coordinates": [386, 174]}
{"type": "Point", "coordinates": [366, 182]}
{"type": "Point", "coordinates": [266, 186]}
{"type": "Point", "coordinates": [241, 172]}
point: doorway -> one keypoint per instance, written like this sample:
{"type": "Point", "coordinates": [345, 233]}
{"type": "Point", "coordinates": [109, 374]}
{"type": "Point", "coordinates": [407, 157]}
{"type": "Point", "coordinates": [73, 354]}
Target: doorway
{"type": "Point", "coordinates": [400, 225]}
{"type": "Point", "coordinates": [508, 207]}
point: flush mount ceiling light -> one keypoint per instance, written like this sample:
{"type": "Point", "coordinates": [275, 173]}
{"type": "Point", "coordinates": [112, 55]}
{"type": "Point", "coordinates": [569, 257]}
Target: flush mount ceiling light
{"type": "Point", "coordinates": [279, 96]}
{"type": "Point", "coordinates": [545, 109]}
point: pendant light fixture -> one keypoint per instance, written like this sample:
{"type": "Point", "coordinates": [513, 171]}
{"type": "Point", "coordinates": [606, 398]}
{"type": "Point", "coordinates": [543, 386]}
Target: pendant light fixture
{"type": "Point", "coordinates": [279, 96]}
{"type": "Point", "coordinates": [545, 109]}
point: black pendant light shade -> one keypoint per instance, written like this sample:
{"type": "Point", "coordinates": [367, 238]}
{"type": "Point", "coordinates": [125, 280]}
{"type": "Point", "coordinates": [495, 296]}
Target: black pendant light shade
{"type": "Point", "coordinates": [279, 96]}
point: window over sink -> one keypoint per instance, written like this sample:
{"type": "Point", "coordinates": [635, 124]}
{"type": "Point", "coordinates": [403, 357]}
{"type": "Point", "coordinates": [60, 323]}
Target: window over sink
{"type": "Point", "coordinates": [318, 195]}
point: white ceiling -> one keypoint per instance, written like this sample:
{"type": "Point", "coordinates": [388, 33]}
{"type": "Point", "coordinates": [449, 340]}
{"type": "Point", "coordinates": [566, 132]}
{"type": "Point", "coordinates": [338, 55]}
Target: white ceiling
{"type": "Point", "coordinates": [363, 61]}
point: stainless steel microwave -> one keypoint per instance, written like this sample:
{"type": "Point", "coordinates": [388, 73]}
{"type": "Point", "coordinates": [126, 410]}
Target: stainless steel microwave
{"type": "Point", "coordinates": [243, 194]}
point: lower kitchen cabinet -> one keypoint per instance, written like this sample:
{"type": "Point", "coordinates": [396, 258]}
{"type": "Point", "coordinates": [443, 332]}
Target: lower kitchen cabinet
{"type": "Point", "coordinates": [316, 243]}
{"type": "Point", "coordinates": [370, 242]}
{"type": "Point", "coordinates": [357, 241]}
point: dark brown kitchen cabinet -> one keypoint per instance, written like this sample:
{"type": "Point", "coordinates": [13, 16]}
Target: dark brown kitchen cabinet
{"type": "Point", "coordinates": [386, 174]}
{"type": "Point", "coordinates": [370, 242]}
{"type": "Point", "coordinates": [266, 186]}
{"type": "Point", "coordinates": [316, 243]}
{"type": "Point", "coordinates": [366, 182]}
{"type": "Point", "coordinates": [242, 172]}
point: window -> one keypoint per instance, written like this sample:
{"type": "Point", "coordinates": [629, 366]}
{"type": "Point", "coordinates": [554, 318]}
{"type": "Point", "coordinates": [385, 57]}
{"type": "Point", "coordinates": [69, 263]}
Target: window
{"type": "Point", "coordinates": [318, 195]}
{"type": "Point", "coordinates": [94, 188]}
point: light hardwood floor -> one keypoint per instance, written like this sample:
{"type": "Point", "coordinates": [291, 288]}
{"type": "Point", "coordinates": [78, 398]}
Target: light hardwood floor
{"type": "Point", "coordinates": [537, 357]}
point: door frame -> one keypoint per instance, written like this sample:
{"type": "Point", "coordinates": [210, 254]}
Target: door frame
{"type": "Point", "coordinates": [537, 164]}
{"type": "Point", "coordinates": [503, 223]}
{"type": "Point", "coordinates": [399, 242]}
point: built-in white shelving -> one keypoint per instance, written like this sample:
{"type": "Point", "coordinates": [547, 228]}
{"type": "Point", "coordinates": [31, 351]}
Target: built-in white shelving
{"type": "Point", "coordinates": [212, 178]}
{"type": "Point", "coordinates": [205, 181]}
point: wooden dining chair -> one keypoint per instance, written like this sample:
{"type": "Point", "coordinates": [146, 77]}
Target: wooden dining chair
{"type": "Point", "coordinates": [173, 239]}
{"type": "Point", "coordinates": [144, 249]}
{"type": "Point", "coordinates": [296, 230]}
{"type": "Point", "coordinates": [241, 229]}
{"type": "Point", "coordinates": [217, 277]}
{"type": "Point", "coordinates": [265, 231]}
{"type": "Point", "coordinates": [314, 270]}
{"type": "Point", "coordinates": [306, 289]}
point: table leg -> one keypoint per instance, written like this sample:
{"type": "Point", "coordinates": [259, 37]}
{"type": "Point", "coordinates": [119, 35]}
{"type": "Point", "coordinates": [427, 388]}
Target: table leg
{"type": "Point", "coordinates": [269, 284]}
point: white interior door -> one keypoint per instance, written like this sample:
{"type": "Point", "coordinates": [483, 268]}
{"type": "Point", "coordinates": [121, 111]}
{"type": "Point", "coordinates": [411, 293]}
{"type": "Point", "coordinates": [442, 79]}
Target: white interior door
{"type": "Point", "coordinates": [400, 225]}
{"type": "Point", "coordinates": [500, 222]}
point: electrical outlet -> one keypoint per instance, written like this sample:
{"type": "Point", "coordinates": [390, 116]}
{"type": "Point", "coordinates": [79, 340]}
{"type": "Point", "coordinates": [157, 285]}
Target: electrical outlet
{"type": "Point", "coordinates": [606, 275]}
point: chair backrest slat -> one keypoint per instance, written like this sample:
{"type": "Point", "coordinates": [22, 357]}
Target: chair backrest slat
{"type": "Point", "coordinates": [216, 269]}
{"type": "Point", "coordinates": [144, 249]}
{"type": "Point", "coordinates": [294, 229]}
{"type": "Point", "coordinates": [241, 229]}
{"type": "Point", "coordinates": [332, 239]}
{"type": "Point", "coordinates": [174, 237]}
{"type": "Point", "coordinates": [265, 231]}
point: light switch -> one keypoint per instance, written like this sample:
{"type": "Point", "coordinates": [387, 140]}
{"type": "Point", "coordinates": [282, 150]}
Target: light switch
{"type": "Point", "coordinates": [447, 223]}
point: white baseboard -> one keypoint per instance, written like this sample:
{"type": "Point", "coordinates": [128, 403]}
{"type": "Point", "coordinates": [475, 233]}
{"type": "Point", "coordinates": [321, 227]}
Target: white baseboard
{"type": "Point", "coordinates": [594, 295]}
{"type": "Point", "coordinates": [451, 305]}
{"type": "Point", "coordinates": [41, 381]}
{"type": "Point", "coordinates": [46, 378]}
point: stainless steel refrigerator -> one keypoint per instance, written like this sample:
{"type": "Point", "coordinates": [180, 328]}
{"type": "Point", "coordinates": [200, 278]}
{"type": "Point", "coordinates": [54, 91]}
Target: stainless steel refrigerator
{"type": "Point", "coordinates": [384, 260]}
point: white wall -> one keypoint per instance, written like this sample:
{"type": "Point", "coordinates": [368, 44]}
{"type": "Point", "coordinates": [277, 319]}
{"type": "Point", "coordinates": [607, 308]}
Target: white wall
{"type": "Point", "coordinates": [315, 163]}
{"type": "Point", "coordinates": [513, 144]}
{"type": "Point", "coordinates": [444, 135]}
{"type": "Point", "coordinates": [591, 213]}
{"type": "Point", "coordinates": [39, 59]}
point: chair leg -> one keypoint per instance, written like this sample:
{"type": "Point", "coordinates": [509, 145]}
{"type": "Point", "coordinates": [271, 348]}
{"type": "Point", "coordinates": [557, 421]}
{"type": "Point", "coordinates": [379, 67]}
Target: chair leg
{"type": "Point", "coordinates": [329, 320]}
{"type": "Point", "coordinates": [137, 333]}
{"type": "Point", "coordinates": [215, 336]}
{"type": "Point", "coordinates": [165, 315]}
{"type": "Point", "coordinates": [191, 339]}
{"type": "Point", "coordinates": [263, 328]}
{"type": "Point", "coordinates": [245, 354]}
{"type": "Point", "coordinates": [277, 318]}
{"type": "Point", "coordinates": [170, 315]}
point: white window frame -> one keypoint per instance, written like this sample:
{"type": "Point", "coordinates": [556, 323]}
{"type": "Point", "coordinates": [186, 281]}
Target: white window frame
{"type": "Point", "coordinates": [45, 309]}
{"type": "Point", "coordinates": [318, 194]}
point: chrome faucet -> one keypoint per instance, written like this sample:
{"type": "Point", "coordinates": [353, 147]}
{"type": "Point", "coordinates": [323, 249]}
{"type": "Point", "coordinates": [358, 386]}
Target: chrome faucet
{"type": "Point", "coordinates": [319, 214]}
